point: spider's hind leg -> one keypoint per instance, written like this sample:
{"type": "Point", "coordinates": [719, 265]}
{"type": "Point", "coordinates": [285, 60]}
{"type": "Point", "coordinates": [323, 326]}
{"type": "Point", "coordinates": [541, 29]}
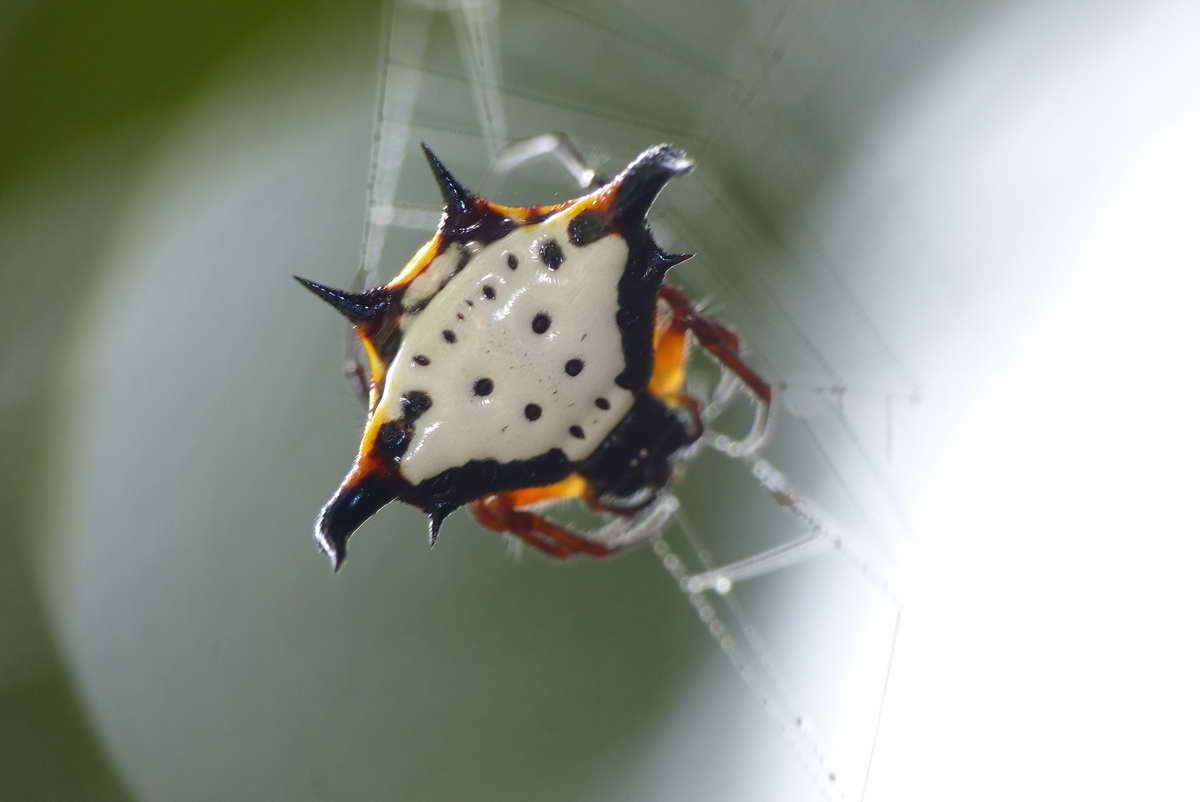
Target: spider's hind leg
{"type": "Point", "coordinates": [670, 355]}
{"type": "Point", "coordinates": [503, 512]}
{"type": "Point", "coordinates": [714, 338]}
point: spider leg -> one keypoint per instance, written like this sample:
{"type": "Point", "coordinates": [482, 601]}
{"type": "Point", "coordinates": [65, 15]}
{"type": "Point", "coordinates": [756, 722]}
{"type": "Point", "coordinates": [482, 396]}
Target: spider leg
{"type": "Point", "coordinates": [714, 338]}
{"type": "Point", "coordinates": [500, 512]}
{"type": "Point", "coordinates": [357, 375]}
{"type": "Point", "coordinates": [486, 512]}
{"type": "Point", "coordinates": [695, 411]}
{"type": "Point", "coordinates": [560, 147]}
{"type": "Point", "coordinates": [595, 503]}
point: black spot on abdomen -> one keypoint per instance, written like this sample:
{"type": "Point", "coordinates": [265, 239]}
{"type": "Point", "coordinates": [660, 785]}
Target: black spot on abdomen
{"type": "Point", "coordinates": [585, 228]}
{"type": "Point", "coordinates": [533, 411]}
{"type": "Point", "coordinates": [551, 254]}
{"type": "Point", "coordinates": [392, 438]}
{"type": "Point", "coordinates": [416, 403]}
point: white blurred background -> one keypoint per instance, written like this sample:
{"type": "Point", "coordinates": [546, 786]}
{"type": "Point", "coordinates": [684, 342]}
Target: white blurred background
{"type": "Point", "coordinates": [959, 235]}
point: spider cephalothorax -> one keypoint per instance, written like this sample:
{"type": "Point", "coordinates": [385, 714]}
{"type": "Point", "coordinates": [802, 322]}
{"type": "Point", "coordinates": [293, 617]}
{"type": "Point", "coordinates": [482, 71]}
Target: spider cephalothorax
{"type": "Point", "coordinates": [521, 357]}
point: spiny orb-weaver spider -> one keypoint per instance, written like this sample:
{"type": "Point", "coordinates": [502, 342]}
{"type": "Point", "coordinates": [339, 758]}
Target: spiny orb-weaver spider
{"type": "Point", "coordinates": [529, 355]}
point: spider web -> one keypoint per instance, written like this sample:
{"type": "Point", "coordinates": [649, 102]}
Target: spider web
{"type": "Point", "coordinates": [448, 75]}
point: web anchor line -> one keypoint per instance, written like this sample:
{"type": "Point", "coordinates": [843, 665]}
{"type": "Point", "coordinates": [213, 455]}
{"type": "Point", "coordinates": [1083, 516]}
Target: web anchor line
{"type": "Point", "coordinates": [793, 726]}
{"type": "Point", "coordinates": [820, 535]}
{"type": "Point", "coordinates": [758, 668]}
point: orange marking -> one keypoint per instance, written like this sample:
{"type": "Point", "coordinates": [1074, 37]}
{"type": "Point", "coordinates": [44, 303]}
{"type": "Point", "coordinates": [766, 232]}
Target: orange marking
{"type": "Point", "coordinates": [670, 359]}
{"type": "Point", "coordinates": [376, 365]}
{"type": "Point", "coordinates": [417, 264]}
{"type": "Point", "coordinates": [574, 486]}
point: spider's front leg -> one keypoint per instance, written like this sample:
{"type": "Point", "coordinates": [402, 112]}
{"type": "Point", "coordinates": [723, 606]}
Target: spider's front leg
{"type": "Point", "coordinates": [500, 513]}
{"type": "Point", "coordinates": [714, 338]}
{"type": "Point", "coordinates": [561, 148]}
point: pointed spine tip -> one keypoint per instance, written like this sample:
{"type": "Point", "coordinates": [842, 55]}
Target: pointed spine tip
{"type": "Point", "coordinates": [669, 260]}
{"type": "Point", "coordinates": [436, 517]}
{"type": "Point", "coordinates": [456, 198]}
{"type": "Point", "coordinates": [357, 308]}
{"type": "Point", "coordinates": [333, 552]}
{"type": "Point", "coordinates": [669, 158]}
{"type": "Point", "coordinates": [640, 182]}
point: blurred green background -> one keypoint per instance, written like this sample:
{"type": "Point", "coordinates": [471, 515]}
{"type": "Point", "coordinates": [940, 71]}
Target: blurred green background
{"type": "Point", "coordinates": [91, 90]}
{"type": "Point", "coordinates": [173, 413]}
